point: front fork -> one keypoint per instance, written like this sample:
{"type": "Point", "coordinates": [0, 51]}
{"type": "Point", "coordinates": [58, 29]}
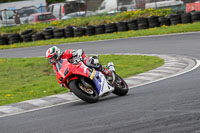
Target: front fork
{"type": "Point", "coordinates": [84, 83]}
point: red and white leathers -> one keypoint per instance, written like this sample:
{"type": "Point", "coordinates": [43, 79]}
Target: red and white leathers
{"type": "Point", "coordinates": [88, 61]}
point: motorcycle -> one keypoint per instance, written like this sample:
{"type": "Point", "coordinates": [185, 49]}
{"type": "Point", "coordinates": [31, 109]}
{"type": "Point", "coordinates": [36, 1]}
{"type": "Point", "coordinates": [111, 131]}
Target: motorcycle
{"type": "Point", "coordinates": [87, 83]}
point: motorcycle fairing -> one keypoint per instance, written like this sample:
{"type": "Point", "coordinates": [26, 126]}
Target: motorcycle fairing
{"type": "Point", "coordinates": [64, 69]}
{"type": "Point", "coordinates": [82, 70]}
{"type": "Point", "coordinates": [101, 84]}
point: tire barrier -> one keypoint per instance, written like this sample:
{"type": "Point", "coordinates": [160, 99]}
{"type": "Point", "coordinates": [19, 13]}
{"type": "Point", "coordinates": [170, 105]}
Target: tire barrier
{"type": "Point", "coordinates": [14, 38]}
{"type": "Point", "coordinates": [37, 36]}
{"type": "Point", "coordinates": [100, 29]}
{"type": "Point", "coordinates": [90, 30]}
{"type": "Point", "coordinates": [142, 23]}
{"type": "Point", "coordinates": [164, 21]}
{"type": "Point", "coordinates": [132, 24]}
{"type": "Point", "coordinates": [175, 19]}
{"type": "Point", "coordinates": [79, 31]}
{"type": "Point", "coordinates": [110, 28]}
{"type": "Point", "coordinates": [69, 31]}
{"type": "Point", "coordinates": [59, 33]}
{"type": "Point", "coordinates": [27, 35]}
{"type": "Point", "coordinates": [3, 40]}
{"type": "Point", "coordinates": [122, 26]}
{"type": "Point", "coordinates": [48, 33]}
{"type": "Point", "coordinates": [153, 22]}
{"type": "Point", "coordinates": [186, 18]}
{"type": "Point", "coordinates": [195, 16]}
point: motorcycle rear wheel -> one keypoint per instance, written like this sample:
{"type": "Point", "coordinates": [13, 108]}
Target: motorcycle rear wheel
{"type": "Point", "coordinates": [121, 87]}
{"type": "Point", "coordinates": [89, 95]}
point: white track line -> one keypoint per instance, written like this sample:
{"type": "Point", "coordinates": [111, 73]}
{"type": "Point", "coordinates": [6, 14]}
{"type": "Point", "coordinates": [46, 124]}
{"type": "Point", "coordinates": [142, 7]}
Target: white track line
{"type": "Point", "coordinates": [196, 66]}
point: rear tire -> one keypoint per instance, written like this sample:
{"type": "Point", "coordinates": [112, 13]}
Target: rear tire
{"type": "Point", "coordinates": [121, 88]}
{"type": "Point", "coordinates": [75, 87]}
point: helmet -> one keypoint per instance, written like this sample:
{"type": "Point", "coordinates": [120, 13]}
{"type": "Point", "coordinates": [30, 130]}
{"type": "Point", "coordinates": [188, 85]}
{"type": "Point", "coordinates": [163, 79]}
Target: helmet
{"type": "Point", "coordinates": [53, 54]}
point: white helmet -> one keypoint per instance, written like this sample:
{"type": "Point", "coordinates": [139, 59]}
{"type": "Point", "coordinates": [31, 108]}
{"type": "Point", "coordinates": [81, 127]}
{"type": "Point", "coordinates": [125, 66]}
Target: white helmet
{"type": "Point", "coordinates": [53, 54]}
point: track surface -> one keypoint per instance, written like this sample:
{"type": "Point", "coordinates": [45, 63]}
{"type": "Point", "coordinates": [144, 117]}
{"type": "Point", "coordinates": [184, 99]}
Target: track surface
{"type": "Point", "coordinates": [171, 105]}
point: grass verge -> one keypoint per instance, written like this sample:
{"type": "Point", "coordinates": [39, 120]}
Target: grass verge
{"type": "Point", "coordinates": [180, 28]}
{"type": "Point", "coordinates": [29, 78]}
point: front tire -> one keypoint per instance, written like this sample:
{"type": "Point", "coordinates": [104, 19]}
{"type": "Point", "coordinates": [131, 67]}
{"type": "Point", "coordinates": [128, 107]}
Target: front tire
{"type": "Point", "coordinates": [89, 95]}
{"type": "Point", "coordinates": [121, 87]}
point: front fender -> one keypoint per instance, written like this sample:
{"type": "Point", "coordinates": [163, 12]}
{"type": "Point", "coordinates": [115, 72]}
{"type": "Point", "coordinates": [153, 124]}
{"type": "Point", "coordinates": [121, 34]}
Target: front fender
{"type": "Point", "coordinates": [73, 78]}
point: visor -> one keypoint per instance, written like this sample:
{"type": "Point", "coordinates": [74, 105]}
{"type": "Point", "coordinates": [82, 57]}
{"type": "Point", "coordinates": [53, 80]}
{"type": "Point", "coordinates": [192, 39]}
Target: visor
{"type": "Point", "coordinates": [53, 59]}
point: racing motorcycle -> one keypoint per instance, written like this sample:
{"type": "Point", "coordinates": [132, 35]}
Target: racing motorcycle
{"type": "Point", "coordinates": [87, 83]}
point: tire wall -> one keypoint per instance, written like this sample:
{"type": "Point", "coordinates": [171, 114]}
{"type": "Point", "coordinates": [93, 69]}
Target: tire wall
{"type": "Point", "coordinates": [69, 32]}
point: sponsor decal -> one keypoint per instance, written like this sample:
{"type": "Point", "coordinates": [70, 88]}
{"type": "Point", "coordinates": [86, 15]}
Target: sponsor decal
{"type": "Point", "coordinates": [92, 74]}
{"type": "Point", "coordinates": [99, 82]}
{"type": "Point", "coordinates": [102, 86]}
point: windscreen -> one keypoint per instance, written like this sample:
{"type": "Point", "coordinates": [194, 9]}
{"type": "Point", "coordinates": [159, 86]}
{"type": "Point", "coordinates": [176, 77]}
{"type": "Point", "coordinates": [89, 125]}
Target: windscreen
{"type": "Point", "coordinates": [125, 2]}
{"type": "Point", "coordinates": [59, 65]}
{"type": "Point", "coordinates": [62, 67]}
{"type": "Point", "coordinates": [74, 7]}
{"type": "Point", "coordinates": [45, 17]}
{"type": "Point", "coordinates": [27, 12]}
{"type": "Point", "coordinates": [153, 1]}
{"type": "Point", "coordinates": [8, 14]}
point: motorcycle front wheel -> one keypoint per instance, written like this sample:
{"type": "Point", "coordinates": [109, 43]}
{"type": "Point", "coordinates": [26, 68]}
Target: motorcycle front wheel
{"type": "Point", "coordinates": [87, 94]}
{"type": "Point", "coordinates": [121, 87]}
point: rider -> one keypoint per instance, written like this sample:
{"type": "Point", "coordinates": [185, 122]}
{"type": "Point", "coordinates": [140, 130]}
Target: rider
{"type": "Point", "coordinates": [53, 55]}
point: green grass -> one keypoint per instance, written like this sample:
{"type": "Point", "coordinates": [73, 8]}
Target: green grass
{"type": "Point", "coordinates": [153, 31]}
{"type": "Point", "coordinates": [29, 78]}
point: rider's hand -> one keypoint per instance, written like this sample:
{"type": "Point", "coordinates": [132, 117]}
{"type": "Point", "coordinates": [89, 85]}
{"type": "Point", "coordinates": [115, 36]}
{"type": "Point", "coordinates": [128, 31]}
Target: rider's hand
{"type": "Point", "coordinates": [95, 60]}
{"type": "Point", "coordinates": [74, 54]}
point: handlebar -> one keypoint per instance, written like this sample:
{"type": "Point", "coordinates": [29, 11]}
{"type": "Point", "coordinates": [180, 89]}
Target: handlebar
{"type": "Point", "coordinates": [75, 60]}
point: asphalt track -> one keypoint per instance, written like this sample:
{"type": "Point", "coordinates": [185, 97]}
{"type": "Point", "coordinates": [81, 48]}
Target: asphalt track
{"type": "Point", "coordinates": [168, 106]}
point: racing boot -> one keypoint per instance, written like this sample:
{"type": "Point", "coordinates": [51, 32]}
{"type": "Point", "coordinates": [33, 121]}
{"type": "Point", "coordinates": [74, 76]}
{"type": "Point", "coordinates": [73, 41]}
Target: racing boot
{"type": "Point", "coordinates": [110, 74]}
{"type": "Point", "coordinates": [111, 77]}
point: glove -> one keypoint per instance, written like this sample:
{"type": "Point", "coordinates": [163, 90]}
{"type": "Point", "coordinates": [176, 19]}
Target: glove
{"type": "Point", "coordinates": [77, 54]}
{"type": "Point", "coordinates": [95, 60]}
{"type": "Point", "coordinates": [74, 53]}
{"type": "Point", "coordinates": [93, 63]}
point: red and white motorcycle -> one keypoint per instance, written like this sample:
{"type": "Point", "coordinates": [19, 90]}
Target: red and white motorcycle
{"type": "Point", "coordinates": [87, 83]}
